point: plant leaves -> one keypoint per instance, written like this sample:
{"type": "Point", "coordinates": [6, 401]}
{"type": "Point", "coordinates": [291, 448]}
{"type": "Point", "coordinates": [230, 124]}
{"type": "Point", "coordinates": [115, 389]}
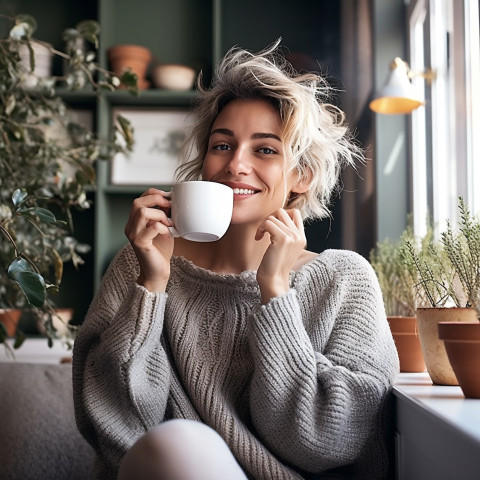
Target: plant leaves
{"type": "Point", "coordinates": [89, 29]}
{"type": "Point", "coordinates": [53, 289]}
{"type": "Point", "coordinates": [57, 265]}
{"type": "Point", "coordinates": [31, 283]}
{"type": "Point", "coordinates": [10, 105]}
{"type": "Point", "coordinates": [3, 333]}
{"type": "Point", "coordinates": [129, 80]}
{"type": "Point", "coordinates": [20, 337]}
{"type": "Point", "coordinates": [88, 26]}
{"type": "Point", "coordinates": [127, 130]}
{"type": "Point", "coordinates": [42, 214]}
{"type": "Point", "coordinates": [19, 197]}
{"type": "Point", "coordinates": [29, 21]}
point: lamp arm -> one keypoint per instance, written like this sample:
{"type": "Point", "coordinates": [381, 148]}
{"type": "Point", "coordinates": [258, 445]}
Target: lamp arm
{"type": "Point", "coordinates": [429, 75]}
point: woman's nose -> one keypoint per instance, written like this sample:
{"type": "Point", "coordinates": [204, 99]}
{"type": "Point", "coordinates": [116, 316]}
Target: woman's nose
{"type": "Point", "coordinates": [239, 163]}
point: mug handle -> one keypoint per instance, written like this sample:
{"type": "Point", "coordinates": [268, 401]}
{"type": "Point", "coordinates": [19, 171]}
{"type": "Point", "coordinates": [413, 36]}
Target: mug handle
{"type": "Point", "coordinates": [173, 231]}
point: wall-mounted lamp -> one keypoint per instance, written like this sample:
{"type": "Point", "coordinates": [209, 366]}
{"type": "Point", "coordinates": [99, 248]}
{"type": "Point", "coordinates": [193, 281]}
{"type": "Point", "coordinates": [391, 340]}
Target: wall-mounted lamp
{"type": "Point", "coordinates": [398, 95]}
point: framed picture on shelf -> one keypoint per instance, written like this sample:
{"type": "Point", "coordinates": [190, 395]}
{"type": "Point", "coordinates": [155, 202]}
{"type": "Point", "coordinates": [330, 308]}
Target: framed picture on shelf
{"type": "Point", "coordinates": [159, 135]}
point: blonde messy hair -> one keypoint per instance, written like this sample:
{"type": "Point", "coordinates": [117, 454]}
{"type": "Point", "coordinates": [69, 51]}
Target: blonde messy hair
{"type": "Point", "coordinates": [314, 134]}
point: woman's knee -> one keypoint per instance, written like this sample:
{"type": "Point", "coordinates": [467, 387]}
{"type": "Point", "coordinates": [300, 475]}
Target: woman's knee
{"type": "Point", "coordinates": [179, 445]}
{"type": "Point", "coordinates": [183, 434]}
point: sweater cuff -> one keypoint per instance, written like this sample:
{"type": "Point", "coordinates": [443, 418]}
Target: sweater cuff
{"type": "Point", "coordinates": [280, 318]}
{"type": "Point", "coordinates": [139, 318]}
{"type": "Point", "coordinates": [151, 309]}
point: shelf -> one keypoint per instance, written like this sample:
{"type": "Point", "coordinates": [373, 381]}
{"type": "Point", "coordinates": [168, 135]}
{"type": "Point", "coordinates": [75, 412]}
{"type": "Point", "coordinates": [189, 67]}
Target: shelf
{"type": "Point", "coordinates": [131, 189]}
{"type": "Point", "coordinates": [78, 98]}
{"type": "Point", "coordinates": [151, 98]}
{"type": "Point", "coordinates": [187, 32]}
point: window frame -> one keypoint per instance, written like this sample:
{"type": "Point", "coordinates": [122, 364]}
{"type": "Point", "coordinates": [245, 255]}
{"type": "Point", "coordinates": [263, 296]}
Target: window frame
{"type": "Point", "coordinates": [444, 35]}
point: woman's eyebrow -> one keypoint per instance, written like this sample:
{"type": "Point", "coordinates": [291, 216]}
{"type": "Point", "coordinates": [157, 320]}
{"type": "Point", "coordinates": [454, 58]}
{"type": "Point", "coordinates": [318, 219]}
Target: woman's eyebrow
{"type": "Point", "coordinates": [224, 131]}
{"type": "Point", "coordinates": [254, 136]}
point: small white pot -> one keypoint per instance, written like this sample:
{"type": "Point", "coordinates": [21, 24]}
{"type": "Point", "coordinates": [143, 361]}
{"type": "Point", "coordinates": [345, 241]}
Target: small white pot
{"type": "Point", "coordinates": [173, 77]}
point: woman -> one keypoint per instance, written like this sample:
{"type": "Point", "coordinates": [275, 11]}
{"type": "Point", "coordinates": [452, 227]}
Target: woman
{"type": "Point", "coordinates": [250, 357]}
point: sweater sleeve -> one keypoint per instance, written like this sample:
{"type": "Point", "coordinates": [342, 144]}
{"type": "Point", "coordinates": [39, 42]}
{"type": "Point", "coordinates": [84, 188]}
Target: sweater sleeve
{"type": "Point", "coordinates": [121, 375]}
{"type": "Point", "coordinates": [321, 378]}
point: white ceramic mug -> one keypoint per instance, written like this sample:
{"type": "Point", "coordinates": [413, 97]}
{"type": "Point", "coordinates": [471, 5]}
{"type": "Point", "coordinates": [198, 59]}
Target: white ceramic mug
{"type": "Point", "coordinates": [201, 211]}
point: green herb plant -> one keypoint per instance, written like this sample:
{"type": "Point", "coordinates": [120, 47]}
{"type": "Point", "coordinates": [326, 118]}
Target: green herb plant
{"type": "Point", "coordinates": [430, 271]}
{"type": "Point", "coordinates": [462, 247]}
{"type": "Point", "coordinates": [395, 281]}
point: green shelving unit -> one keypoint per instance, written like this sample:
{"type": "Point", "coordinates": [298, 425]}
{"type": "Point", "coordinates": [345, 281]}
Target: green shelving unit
{"type": "Point", "coordinates": [192, 32]}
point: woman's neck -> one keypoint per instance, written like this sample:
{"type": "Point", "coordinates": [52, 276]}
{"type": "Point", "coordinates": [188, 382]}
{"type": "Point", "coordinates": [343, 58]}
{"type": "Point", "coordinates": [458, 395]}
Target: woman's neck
{"type": "Point", "coordinates": [235, 252]}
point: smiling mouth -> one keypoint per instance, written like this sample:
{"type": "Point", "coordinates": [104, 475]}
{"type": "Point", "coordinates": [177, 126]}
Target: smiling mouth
{"type": "Point", "coordinates": [243, 191]}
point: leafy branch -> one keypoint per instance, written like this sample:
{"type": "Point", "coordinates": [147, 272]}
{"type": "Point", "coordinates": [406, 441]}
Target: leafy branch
{"type": "Point", "coordinates": [47, 162]}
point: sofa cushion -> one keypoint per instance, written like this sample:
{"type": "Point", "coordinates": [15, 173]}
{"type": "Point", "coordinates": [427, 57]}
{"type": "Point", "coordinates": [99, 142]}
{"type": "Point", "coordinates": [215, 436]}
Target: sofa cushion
{"type": "Point", "coordinates": [38, 435]}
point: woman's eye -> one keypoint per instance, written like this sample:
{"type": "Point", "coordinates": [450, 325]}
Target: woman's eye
{"type": "Point", "coordinates": [221, 146]}
{"type": "Point", "coordinates": [267, 151]}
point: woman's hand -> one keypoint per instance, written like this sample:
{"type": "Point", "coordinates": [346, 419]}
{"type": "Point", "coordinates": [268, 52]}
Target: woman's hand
{"type": "Point", "coordinates": [147, 230]}
{"type": "Point", "coordinates": [287, 240]}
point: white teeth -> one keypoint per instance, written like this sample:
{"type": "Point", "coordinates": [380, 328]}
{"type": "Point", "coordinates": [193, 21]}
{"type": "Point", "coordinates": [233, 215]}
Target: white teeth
{"type": "Point", "coordinates": [243, 191]}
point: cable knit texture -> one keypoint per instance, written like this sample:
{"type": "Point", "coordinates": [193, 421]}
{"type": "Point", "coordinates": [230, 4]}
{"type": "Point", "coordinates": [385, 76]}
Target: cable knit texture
{"type": "Point", "coordinates": [298, 388]}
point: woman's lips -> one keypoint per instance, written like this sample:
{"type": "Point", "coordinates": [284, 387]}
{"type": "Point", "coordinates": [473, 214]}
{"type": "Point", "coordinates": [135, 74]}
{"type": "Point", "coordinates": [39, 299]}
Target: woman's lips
{"type": "Point", "coordinates": [243, 191]}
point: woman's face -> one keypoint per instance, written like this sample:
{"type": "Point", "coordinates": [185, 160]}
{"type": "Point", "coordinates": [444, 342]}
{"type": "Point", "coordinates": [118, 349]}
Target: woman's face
{"type": "Point", "coordinates": [246, 152]}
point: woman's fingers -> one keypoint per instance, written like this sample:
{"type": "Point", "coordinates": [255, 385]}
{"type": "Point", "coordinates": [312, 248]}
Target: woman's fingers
{"type": "Point", "coordinates": [287, 240]}
{"type": "Point", "coordinates": [149, 207]}
{"type": "Point", "coordinates": [143, 218]}
{"type": "Point", "coordinates": [286, 223]}
{"type": "Point", "coordinates": [148, 232]}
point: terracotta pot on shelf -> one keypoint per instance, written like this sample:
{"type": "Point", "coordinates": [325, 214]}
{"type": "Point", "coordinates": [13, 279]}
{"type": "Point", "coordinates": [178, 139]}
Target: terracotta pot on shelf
{"type": "Point", "coordinates": [10, 317]}
{"type": "Point", "coordinates": [462, 343]}
{"type": "Point", "coordinates": [434, 352]}
{"type": "Point", "coordinates": [405, 334]}
{"type": "Point", "coordinates": [135, 57]}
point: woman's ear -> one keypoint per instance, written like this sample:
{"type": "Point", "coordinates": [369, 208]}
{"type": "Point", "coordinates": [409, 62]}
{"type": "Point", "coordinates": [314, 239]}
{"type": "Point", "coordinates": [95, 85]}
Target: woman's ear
{"type": "Point", "coordinates": [302, 184]}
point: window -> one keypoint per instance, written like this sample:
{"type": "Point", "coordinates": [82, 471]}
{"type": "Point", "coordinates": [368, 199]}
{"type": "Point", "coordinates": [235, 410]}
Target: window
{"type": "Point", "coordinates": [445, 133]}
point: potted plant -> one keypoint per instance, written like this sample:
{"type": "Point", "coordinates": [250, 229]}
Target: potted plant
{"type": "Point", "coordinates": [400, 300]}
{"type": "Point", "coordinates": [462, 339]}
{"type": "Point", "coordinates": [440, 299]}
{"type": "Point", "coordinates": [46, 165]}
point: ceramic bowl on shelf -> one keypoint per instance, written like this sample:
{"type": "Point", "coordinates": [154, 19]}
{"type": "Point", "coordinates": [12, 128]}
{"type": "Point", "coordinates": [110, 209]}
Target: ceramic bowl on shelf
{"type": "Point", "coordinates": [173, 76]}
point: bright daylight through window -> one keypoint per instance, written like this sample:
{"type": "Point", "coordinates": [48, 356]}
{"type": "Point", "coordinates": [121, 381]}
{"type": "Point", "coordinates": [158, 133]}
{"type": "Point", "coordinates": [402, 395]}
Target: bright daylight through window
{"type": "Point", "coordinates": [445, 134]}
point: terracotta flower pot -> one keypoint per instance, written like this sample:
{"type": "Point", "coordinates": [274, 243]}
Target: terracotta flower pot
{"type": "Point", "coordinates": [405, 334]}
{"type": "Point", "coordinates": [135, 57]}
{"type": "Point", "coordinates": [10, 317]}
{"type": "Point", "coordinates": [462, 342]}
{"type": "Point", "coordinates": [434, 352]}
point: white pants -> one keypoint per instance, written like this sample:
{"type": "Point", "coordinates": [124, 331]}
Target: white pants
{"type": "Point", "coordinates": [180, 450]}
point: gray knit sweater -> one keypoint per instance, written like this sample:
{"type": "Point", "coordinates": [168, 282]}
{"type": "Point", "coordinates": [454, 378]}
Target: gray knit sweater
{"type": "Point", "coordinates": [297, 388]}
